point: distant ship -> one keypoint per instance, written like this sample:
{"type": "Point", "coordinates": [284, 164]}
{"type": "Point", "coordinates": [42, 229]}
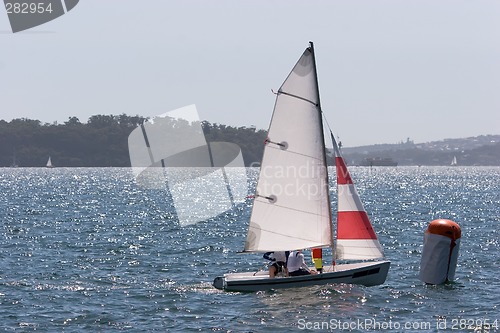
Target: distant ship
{"type": "Point", "coordinates": [378, 161]}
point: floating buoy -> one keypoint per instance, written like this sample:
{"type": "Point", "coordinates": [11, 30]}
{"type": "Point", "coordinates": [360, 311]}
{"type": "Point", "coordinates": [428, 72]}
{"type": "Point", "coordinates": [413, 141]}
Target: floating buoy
{"type": "Point", "coordinates": [440, 252]}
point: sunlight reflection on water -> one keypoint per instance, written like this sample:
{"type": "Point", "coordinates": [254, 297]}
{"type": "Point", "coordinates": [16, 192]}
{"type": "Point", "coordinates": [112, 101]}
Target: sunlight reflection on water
{"type": "Point", "coordinates": [88, 249]}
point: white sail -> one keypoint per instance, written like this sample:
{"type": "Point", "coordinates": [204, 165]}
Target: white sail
{"type": "Point", "coordinates": [356, 239]}
{"type": "Point", "coordinates": [49, 163]}
{"type": "Point", "coordinates": [291, 209]}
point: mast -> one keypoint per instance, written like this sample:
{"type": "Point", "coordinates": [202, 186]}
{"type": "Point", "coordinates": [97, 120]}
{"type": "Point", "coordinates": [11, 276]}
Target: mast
{"type": "Point", "coordinates": [336, 152]}
{"type": "Point", "coordinates": [327, 185]}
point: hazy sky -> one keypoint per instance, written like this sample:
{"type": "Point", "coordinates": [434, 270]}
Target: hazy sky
{"type": "Point", "coordinates": [387, 70]}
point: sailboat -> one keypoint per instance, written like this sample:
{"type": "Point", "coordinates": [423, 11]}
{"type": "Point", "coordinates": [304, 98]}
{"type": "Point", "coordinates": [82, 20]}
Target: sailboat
{"type": "Point", "coordinates": [292, 209]}
{"type": "Point", "coordinates": [14, 163]}
{"type": "Point", "coordinates": [49, 163]}
{"type": "Point", "coordinates": [454, 161]}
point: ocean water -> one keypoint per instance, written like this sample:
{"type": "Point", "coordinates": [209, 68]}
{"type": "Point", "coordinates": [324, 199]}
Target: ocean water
{"type": "Point", "coordinates": [90, 250]}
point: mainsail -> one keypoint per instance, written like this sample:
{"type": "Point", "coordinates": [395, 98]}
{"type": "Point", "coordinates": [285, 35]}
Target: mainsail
{"type": "Point", "coordinates": [291, 209]}
{"type": "Point", "coordinates": [356, 238]}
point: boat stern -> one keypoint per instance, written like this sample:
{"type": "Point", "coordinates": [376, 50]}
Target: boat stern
{"type": "Point", "coordinates": [373, 276]}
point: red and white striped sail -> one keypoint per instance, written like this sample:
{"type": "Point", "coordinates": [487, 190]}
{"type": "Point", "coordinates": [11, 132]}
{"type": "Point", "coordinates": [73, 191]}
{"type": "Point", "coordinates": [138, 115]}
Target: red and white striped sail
{"type": "Point", "coordinates": [356, 238]}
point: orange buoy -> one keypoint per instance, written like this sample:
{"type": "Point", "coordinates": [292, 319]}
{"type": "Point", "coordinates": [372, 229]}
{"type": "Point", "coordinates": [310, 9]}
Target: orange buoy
{"type": "Point", "coordinates": [440, 251]}
{"type": "Point", "coordinates": [446, 228]}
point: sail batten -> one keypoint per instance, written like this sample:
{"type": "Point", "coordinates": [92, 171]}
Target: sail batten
{"type": "Point", "coordinates": [296, 152]}
{"type": "Point", "coordinates": [301, 98]}
{"type": "Point", "coordinates": [291, 209]}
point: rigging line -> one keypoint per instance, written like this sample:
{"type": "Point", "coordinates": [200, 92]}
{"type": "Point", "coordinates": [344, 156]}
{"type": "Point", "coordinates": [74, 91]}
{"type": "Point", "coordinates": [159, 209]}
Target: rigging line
{"type": "Point", "coordinates": [292, 95]}
{"type": "Point", "coordinates": [334, 142]}
{"type": "Point", "coordinates": [326, 121]}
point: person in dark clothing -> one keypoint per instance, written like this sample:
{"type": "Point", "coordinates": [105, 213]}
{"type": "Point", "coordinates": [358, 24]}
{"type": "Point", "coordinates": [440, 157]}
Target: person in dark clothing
{"type": "Point", "coordinates": [279, 261]}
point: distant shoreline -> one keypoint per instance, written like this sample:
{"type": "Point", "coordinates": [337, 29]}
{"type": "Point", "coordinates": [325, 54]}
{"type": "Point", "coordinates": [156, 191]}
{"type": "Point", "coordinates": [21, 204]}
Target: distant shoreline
{"type": "Point", "coordinates": [103, 142]}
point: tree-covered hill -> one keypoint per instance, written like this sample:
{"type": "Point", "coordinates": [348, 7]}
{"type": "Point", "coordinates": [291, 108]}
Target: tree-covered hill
{"type": "Point", "coordinates": [101, 142]}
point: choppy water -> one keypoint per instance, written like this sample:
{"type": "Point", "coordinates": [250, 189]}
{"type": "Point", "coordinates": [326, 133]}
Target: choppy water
{"type": "Point", "coordinates": [89, 250]}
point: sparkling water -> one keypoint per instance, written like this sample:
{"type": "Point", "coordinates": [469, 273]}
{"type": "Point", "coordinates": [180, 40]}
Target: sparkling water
{"type": "Point", "coordinates": [87, 249]}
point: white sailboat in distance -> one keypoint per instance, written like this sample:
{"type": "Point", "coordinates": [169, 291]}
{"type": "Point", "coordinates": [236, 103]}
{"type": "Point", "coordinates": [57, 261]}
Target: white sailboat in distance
{"type": "Point", "coordinates": [292, 210]}
{"type": "Point", "coordinates": [49, 163]}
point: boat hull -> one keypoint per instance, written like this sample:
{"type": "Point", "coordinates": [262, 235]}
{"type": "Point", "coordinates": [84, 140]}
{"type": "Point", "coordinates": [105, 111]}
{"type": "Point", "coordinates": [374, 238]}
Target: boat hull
{"type": "Point", "coordinates": [365, 273]}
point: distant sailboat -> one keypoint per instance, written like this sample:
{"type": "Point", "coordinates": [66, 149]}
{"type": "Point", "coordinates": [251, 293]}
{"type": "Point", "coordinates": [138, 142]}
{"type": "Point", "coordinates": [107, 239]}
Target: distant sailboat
{"type": "Point", "coordinates": [14, 163]}
{"type": "Point", "coordinates": [296, 219]}
{"type": "Point", "coordinates": [454, 161]}
{"type": "Point", "coordinates": [49, 163]}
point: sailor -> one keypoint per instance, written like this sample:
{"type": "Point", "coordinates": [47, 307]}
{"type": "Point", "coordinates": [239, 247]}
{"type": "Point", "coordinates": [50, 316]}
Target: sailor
{"type": "Point", "coordinates": [297, 265]}
{"type": "Point", "coordinates": [279, 259]}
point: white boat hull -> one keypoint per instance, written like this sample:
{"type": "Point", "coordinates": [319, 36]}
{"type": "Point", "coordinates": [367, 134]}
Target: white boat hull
{"type": "Point", "coordinates": [364, 273]}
